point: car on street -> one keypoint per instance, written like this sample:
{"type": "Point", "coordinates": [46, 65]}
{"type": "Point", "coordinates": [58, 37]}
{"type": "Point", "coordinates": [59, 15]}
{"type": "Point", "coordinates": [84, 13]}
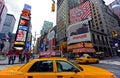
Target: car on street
{"type": "Point", "coordinates": [86, 59]}
{"type": "Point", "coordinates": [54, 67]}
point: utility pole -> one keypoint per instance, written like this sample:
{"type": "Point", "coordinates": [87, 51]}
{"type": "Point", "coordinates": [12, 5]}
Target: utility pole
{"type": "Point", "coordinates": [34, 39]}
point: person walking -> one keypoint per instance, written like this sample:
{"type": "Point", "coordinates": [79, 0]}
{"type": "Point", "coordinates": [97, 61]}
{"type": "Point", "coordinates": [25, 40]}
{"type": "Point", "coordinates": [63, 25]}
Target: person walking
{"type": "Point", "coordinates": [28, 56]}
{"type": "Point", "coordinates": [11, 57]}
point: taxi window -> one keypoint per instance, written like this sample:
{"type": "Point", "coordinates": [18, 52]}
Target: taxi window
{"type": "Point", "coordinates": [42, 66]}
{"type": "Point", "coordinates": [63, 66]}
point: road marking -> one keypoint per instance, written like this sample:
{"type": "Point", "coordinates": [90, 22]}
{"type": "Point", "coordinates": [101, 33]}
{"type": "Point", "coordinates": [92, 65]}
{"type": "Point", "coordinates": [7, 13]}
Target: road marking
{"type": "Point", "coordinates": [110, 62]}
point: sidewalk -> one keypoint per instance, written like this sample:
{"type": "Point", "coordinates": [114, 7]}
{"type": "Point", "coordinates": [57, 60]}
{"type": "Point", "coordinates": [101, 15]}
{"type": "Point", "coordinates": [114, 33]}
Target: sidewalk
{"type": "Point", "coordinates": [5, 61]}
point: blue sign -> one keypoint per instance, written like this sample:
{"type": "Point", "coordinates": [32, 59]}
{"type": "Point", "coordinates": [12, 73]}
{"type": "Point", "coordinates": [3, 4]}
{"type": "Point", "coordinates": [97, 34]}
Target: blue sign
{"type": "Point", "coordinates": [23, 28]}
{"type": "Point", "coordinates": [26, 6]}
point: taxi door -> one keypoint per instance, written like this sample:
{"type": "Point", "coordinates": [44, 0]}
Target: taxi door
{"type": "Point", "coordinates": [41, 69]}
{"type": "Point", "coordinates": [67, 70]}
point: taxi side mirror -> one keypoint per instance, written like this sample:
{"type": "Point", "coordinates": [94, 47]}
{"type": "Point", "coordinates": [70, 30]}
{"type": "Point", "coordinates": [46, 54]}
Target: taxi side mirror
{"type": "Point", "coordinates": [76, 71]}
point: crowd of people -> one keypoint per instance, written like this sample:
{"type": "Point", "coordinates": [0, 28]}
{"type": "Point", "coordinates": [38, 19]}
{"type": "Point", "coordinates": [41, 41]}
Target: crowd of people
{"type": "Point", "coordinates": [21, 54]}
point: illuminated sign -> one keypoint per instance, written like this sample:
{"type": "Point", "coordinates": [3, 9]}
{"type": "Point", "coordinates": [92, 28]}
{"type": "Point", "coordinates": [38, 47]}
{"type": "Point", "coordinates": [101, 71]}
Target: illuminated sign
{"type": "Point", "coordinates": [19, 43]}
{"type": "Point", "coordinates": [23, 28]}
{"type": "Point", "coordinates": [28, 7]}
{"type": "Point", "coordinates": [21, 35]}
{"type": "Point", "coordinates": [88, 45]}
{"type": "Point", "coordinates": [25, 14]}
{"type": "Point", "coordinates": [24, 22]}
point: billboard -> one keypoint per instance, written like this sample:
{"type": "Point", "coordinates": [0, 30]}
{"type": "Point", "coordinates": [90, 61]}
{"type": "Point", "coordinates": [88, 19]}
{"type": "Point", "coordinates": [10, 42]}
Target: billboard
{"type": "Point", "coordinates": [25, 14]}
{"type": "Point", "coordinates": [21, 35]}
{"type": "Point", "coordinates": [23, 28]}
{"type": "Point", "coordinates": [81, 12]}
{"type": "Point", "coordinates": [26, 6]}
{"type": "Point", "coordinates": [78, 32]}
{"type": "Point", "coordinates": [24, 22]}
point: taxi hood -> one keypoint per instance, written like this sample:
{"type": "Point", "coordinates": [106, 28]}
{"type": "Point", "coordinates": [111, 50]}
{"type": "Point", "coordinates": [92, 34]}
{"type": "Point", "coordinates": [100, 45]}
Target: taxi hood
{"type": "Point", "coordinates": [94, 69]}
{"type": "Point", "coordinates": [11, 68]}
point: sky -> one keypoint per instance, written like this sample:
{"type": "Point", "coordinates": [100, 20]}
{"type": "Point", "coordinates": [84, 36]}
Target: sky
{"type": "Point", "coordinates": [40, 12]}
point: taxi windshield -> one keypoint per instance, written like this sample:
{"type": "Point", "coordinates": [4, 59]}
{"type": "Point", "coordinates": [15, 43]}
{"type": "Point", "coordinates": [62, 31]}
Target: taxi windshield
{"type": "Point", "coordinates": [74, 63]}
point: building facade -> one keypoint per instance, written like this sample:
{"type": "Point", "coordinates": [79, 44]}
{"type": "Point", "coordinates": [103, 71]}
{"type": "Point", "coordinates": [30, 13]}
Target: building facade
{"type": "Point", "coordinates": [115, 7]}
{"type": "Point", "coordinates": [62, 21]}
{"type": "Point", "coordinates": [3, 12]}
{"type": "Point", "coordinates": [101, 24]}
{"type": "Point", "coordinates": [9, 23]}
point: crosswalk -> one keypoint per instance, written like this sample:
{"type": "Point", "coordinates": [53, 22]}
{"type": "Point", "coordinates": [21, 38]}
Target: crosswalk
{"type": "Point", "coordinates": [110, 62]}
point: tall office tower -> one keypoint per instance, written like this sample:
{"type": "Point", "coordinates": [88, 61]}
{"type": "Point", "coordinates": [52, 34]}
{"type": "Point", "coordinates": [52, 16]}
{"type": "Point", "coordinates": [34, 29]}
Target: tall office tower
{"type": "Point", "coordinates": [3, 12]}
{"type": "Point", "coordinates": [9, 23]}
{"type": "Point", "coordinates": [62, 20]}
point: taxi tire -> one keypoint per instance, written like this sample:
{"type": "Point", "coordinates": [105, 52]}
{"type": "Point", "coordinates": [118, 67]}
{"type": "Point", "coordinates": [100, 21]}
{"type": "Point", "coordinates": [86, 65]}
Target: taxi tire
{"type": "Point", "coordinates": [97, 62]}
{"type": "Point", "coordinates": [87, 62]}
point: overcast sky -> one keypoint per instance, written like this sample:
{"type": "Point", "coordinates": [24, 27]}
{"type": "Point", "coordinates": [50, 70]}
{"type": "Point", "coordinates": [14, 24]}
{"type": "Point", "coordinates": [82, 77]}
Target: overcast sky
{"type": "Point", "coordinates": [41, 10]}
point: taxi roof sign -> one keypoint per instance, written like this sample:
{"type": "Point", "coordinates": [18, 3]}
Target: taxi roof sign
{"type": "Point", "coordinates": [51, 53]}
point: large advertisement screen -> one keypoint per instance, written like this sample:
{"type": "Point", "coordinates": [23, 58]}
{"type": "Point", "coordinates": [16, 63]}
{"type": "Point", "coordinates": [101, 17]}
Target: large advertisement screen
{"type": "Point", "coordinates": [24, 22]}
{"type": "Point", "coordinates": [26, 14]}
{"type": "Point", "coordinates": [78, 32]}
{"type": "Point", "coordinates": [21, 35]}
{"type": "Point", "coordinates": [23, 28]}
{"type": "Point", "coordinates": [80, 13]}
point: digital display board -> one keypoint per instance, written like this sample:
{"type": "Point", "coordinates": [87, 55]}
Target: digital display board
{"type": "Point", "coordinates": [23, 28]}
{"type": "Point", "coordinates": [21, 35]}
{"type": "Point", "coordinates": [24, 22]}
{"type": "Point", "coordinates": [26, 14]}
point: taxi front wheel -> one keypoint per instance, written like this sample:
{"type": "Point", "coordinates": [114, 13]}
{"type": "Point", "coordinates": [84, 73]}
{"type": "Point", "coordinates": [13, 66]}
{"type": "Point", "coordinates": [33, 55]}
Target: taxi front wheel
{"type": "Point", "coordinates": [87, 62]}
{"type": "Point", "coordinates": [97, 62]}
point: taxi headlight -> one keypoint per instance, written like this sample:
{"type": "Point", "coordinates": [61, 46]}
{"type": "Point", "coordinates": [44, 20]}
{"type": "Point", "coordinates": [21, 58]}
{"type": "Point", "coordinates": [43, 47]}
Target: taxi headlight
{"type": "Point", "coordinates": [113, 76]}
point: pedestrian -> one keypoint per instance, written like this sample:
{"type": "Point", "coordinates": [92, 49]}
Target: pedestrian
{"type": "Point", "coordinates": [23, 57]}
{"type": "Point", "coordinates": [28, 56]}
{"type": "Point", "coordinates": [11, 57]}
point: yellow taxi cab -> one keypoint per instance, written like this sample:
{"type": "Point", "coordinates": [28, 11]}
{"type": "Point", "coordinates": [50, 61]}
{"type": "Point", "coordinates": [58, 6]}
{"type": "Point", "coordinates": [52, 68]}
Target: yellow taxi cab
{"type": "Point", "coordinates": [86, 59]}
{"type": "Point", "coordinates": [54, 67]}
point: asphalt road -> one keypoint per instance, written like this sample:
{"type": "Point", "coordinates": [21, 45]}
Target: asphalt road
{"type": "Point", "coordinates": [112, 65]}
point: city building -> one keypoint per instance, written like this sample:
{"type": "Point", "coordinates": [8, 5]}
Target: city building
{"type": "Point", "coordinates": [95, 22]}
{"type": "Point", "coordinates": [3, 12]}
{"type": "Point", "coordinates": [115, 7]}
{"type": "Point", "coordinates": [62, 21]}
{"type": "Point", "coordinates": [9, 23]}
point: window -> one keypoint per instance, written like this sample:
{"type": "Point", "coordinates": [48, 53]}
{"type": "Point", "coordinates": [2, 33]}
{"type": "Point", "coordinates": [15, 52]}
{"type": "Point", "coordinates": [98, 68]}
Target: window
{"type": "Point", "coordinates": [42, 66]}
{"type": "Point", "coordinates": [65, 67]}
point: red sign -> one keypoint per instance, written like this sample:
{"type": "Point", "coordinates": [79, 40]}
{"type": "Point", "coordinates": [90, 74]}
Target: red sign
{"type": "Point", "coordinates": [80, 13]}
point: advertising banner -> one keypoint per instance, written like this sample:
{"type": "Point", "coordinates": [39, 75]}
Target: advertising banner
{"type": "Point", "coordinates": [23, 28]}
{"type": "Point", "coordinates": [78, 32]}
{"type": "Point", "coordinates": [24, 22]}
{"type": "Point", "coordinates": [26, 6]}
{"type": "Point", "coordinates": [25, 14]}
{"type": "Point", "coordinates": [81, 12]}
{"type": "Point", "coordinates": [21, 35]}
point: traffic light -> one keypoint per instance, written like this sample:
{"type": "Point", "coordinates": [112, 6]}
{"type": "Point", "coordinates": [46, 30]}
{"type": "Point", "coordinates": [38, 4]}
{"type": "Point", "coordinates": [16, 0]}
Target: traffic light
{"type": "Point", "coordinates": [114, 33]}
{"type": "Point", "coordinates": [53, 7]}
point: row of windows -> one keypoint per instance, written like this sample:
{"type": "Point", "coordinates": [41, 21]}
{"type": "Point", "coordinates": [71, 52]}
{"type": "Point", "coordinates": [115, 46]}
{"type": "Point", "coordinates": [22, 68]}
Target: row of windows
{"type": "Point", "coordinates": [47, 66]}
